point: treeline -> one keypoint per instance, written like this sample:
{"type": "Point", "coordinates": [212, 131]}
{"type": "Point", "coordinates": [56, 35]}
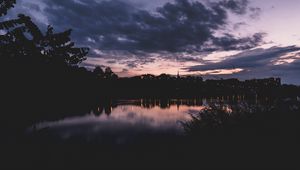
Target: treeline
{"type": "Point", "coordinates": [110, 85]}
{"type": "Point", "coordinates": [167, 86]}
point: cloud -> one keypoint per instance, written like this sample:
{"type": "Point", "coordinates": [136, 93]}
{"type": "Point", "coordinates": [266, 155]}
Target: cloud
{"type": "Point", "coordinates": [229, 42]}
{"type": "Point", "coordinates": [238, 7]}
{"type": "Point", "coordinates": [177, 26]}
{"type": "Point", "coordinates": [123, 33]}
{"type": "Point", "coordinates": [248, 59]}
{"type": "Point", "coordinates": [259, 63]}
{"type": "Point", "coordinates": [255, 12]}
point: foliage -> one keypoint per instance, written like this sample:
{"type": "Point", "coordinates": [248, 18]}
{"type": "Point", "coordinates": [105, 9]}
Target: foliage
{"type": "Point", "coordinates": [24, 39]}
{"type": "Point", "coordinates": [5, 5]}
{"type": "Point", "coordinates": [264, 119]}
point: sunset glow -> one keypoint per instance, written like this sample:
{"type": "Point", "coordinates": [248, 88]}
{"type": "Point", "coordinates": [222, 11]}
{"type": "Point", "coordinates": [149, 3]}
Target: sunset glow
{"type": "Point", "coordinates": [252, 25]}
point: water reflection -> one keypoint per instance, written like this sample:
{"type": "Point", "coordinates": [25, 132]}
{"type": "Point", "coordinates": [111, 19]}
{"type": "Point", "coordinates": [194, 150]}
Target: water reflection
{"type": "Point", "coordinates": [107, 106]}
{"type": "Point", "coordinates": [125, 118]}
{"type": "Point", "coordinates": [129, 118]}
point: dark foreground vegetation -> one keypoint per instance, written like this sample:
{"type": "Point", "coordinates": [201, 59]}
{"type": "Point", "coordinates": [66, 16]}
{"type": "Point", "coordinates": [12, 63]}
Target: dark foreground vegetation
{"type": "Point", "coordinates": [41, 79]}
{"type": "Point", "coordinates": [271, 118]}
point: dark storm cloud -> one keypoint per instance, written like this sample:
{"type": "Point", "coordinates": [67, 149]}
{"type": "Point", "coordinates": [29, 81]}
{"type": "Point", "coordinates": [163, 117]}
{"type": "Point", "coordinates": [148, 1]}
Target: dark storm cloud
{"type": "Point", "coordinates": [229, 42]}
{"type": "Point", "coordinates": [174, 27]}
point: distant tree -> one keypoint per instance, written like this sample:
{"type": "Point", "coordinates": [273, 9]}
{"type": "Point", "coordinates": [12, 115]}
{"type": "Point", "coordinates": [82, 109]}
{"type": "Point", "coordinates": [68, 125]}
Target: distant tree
{"type": "Point", "coordinates": [98, 72]}
{"type": "Point", "coordinates": [148, 77]}
{"type": "Point", "coordinates": [109, 74]}
{"type": "Point", "coordinates": [164, 77]}
{"type": "Point", "coordinates": [114, 76]}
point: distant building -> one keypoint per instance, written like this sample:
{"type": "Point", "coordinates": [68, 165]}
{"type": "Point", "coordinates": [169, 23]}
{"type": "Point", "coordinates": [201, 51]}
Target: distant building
{"type": "Point", "coordinates": [264, 82]}
{"type": "Point", "coordinates": [278, 80]}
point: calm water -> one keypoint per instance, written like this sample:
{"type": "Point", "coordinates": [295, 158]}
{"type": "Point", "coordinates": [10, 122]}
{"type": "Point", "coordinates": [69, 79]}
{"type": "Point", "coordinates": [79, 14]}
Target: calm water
{"type": "Point", "coordinates": [125, 119]}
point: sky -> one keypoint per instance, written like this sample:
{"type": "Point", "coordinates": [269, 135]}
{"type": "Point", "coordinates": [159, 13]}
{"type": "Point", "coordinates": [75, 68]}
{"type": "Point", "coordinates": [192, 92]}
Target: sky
{"type": "Point", "coordinates": [242, 39]}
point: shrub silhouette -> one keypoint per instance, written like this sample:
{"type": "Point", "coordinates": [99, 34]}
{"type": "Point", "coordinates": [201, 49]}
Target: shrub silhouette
{"type": "Point", "coordinates": [268, 119]}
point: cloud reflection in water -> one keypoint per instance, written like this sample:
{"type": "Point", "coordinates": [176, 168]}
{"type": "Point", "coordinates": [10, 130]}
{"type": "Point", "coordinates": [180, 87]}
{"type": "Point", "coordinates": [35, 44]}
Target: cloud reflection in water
{"type": "Point", "coordinates": [125, 121]}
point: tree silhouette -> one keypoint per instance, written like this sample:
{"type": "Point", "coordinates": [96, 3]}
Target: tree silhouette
{"type": "Point", "coordinates": [5, 5]}
{"type": "Point", "coordinates": [37, 63]}
{"type": "Point", "coordinates": [24, 38]}
{"type": "Point", "coordinates": [98, 72]}
{"type": "Point", "coordinates": [109, 74]}
{"type": "Point", "coordinates": [60, 48]}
